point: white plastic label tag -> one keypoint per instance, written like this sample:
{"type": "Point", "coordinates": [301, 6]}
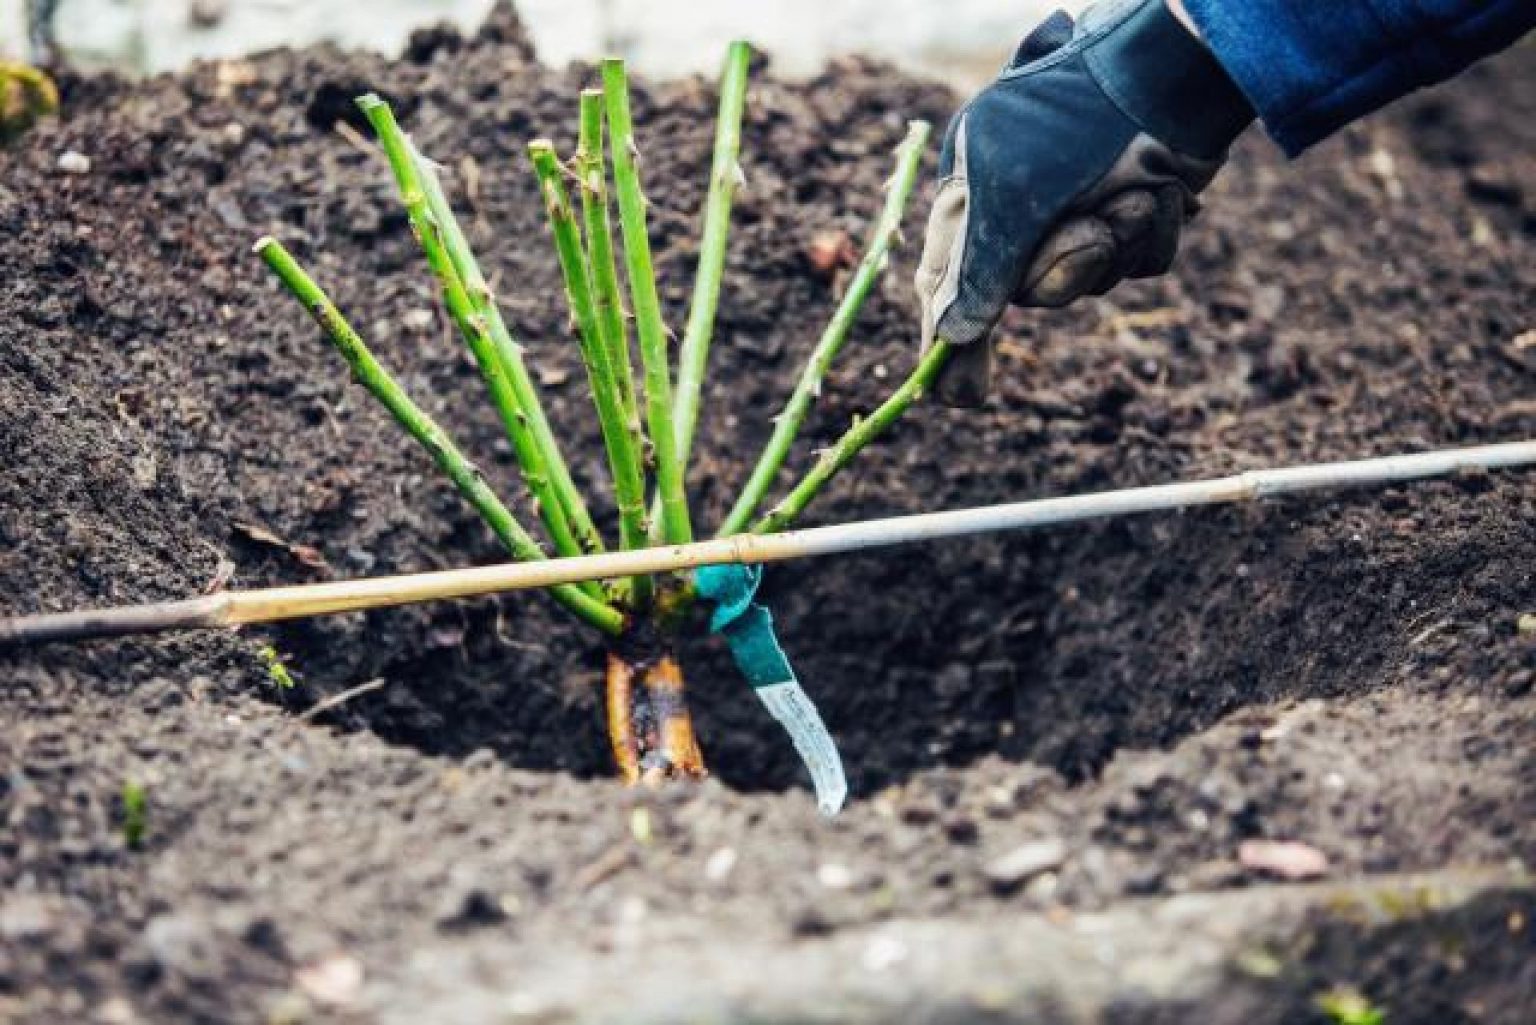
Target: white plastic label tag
{"type": "Point", "coordinates": [793, 708]}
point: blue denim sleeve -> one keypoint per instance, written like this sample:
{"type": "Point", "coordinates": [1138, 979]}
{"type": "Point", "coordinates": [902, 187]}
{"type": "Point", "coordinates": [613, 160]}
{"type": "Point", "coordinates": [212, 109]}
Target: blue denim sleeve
{"type": "Point", "coordinates": [1311, 66]}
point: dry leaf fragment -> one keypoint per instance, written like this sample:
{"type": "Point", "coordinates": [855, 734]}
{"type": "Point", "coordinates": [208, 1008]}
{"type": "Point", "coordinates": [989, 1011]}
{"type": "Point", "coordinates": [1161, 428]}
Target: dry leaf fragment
{"type": "Point", "coordinates": [305, 555]}
{"type": "Point", "coordinates": [223, 573]}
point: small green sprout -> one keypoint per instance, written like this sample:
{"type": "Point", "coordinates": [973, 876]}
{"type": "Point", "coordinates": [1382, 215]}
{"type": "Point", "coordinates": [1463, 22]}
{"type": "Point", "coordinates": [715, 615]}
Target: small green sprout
{"type": "Point", "coordinates": [135, 813]}
{"type": "Point", "coordinates": [276, 671]}
{"type": "Point", "coordinates": [26, 94]}
{"type": "Point", "coordinates": [1344, 1005]}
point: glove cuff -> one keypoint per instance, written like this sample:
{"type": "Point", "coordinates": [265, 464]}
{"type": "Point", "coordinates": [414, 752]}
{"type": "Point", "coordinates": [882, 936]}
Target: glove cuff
{"type": "Point", "coordinates": [1164, 78]}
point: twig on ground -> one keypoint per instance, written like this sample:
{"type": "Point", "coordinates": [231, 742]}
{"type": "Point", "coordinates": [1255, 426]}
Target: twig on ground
{"type": "Point", "coordinates": [335, 701]}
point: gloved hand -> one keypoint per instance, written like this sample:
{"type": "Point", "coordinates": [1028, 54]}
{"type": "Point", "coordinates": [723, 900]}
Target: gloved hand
{"type": "Point", "coordinates": [1075, 169]}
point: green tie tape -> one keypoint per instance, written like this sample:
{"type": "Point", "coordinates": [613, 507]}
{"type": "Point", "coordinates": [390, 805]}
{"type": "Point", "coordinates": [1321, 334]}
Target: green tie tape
{"type": "Point", "coordinates": [748, 629]}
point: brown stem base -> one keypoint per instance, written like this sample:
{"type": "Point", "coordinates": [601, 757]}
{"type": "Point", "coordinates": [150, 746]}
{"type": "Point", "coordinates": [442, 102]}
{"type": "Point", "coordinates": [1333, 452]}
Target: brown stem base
{"type": "Point", "coordinates": [648, 722]}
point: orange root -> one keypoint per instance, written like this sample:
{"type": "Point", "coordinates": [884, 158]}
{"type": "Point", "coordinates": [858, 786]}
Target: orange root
{"type": "Point", "coordinates": [649, 727]}
{"type": "Point", "coordinates": [620, 704]}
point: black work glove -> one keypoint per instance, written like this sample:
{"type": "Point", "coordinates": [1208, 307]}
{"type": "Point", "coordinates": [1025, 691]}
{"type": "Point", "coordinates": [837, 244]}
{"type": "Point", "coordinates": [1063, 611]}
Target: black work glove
{"type": "Point", "coordinates": [1074, 170]}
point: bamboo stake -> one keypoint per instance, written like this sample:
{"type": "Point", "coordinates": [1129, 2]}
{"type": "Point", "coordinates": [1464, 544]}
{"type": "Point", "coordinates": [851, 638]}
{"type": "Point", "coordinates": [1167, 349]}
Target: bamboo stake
{"type": "Point", "coordinates": [876, 256]}
{"type": "Point", "coordinates": [233, 608]}
{"type": "Point", "coordinates": [464, 474]}
{"type": "Point", "coordinates": [652, 333]}
{"type": "Point", "coordinates": [854, 440]}
{"type": "Point", "coordinates": [724, 177]}
{"type": "Point", "coordinates": [543, 468]}
{"type": "Point", "coordinates": [623, 457]}
{"type": "Point", "coordinates": [474, 327]}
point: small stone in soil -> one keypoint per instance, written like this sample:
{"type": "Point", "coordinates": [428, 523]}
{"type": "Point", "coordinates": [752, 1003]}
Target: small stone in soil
{"type": "Point", "coordinates": [1286, 860]}
{"type": "Point", "coordinates": [883, 953]}
{"type": "Point", "coordinates": [25, 917]}
{"type": "Point", "coordinates": [333, 981]}
{"type": "Point", "coordinates": [417, 320]}
{"type": "Point", "coordinates": [74, 162]}
{"type": "Point", "coordinates": [1023, 863]}
{"type": "Point", "coordinates": [720, 864]}
{"type": "Point", "coordinates": [834, 876]}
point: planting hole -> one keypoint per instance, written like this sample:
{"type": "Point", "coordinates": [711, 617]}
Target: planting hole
{"type": "Point", "coordinates": [1059, 648]}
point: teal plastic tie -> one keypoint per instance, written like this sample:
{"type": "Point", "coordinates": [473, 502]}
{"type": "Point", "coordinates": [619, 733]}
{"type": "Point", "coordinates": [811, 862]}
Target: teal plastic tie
{"type": "Point", "coordinates": [747, 627]}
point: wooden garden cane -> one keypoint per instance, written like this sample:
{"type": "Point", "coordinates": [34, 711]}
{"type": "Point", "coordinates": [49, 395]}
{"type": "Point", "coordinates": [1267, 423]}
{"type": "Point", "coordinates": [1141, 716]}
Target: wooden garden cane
{"type": "Point", "coordinates": [234, 608]}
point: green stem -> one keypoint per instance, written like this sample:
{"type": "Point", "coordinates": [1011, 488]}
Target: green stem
{"type": "Point", "coordinates": [474, 327]}
{"type": "Point", "coordinates": [538, 455]}
{"type": "Point", "coordinates": [724, 176]}
{"type": "Point", "coordinates": [853, 442]}
{"type": "Point", "coordinates": [876, 257]}
{"type": "Point", "coordinates": [465, 476]}
{"type": "Point", "coordinates": [591, 168]}
{"type": "Point", "coordinates": [676, 528]}
{"type": "Point", "coordinates": [623, 457]}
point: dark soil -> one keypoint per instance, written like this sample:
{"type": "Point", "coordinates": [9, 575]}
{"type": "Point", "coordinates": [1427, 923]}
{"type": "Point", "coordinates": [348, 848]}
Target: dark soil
{"type": "Point", "coordinates": [1345, 671]}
